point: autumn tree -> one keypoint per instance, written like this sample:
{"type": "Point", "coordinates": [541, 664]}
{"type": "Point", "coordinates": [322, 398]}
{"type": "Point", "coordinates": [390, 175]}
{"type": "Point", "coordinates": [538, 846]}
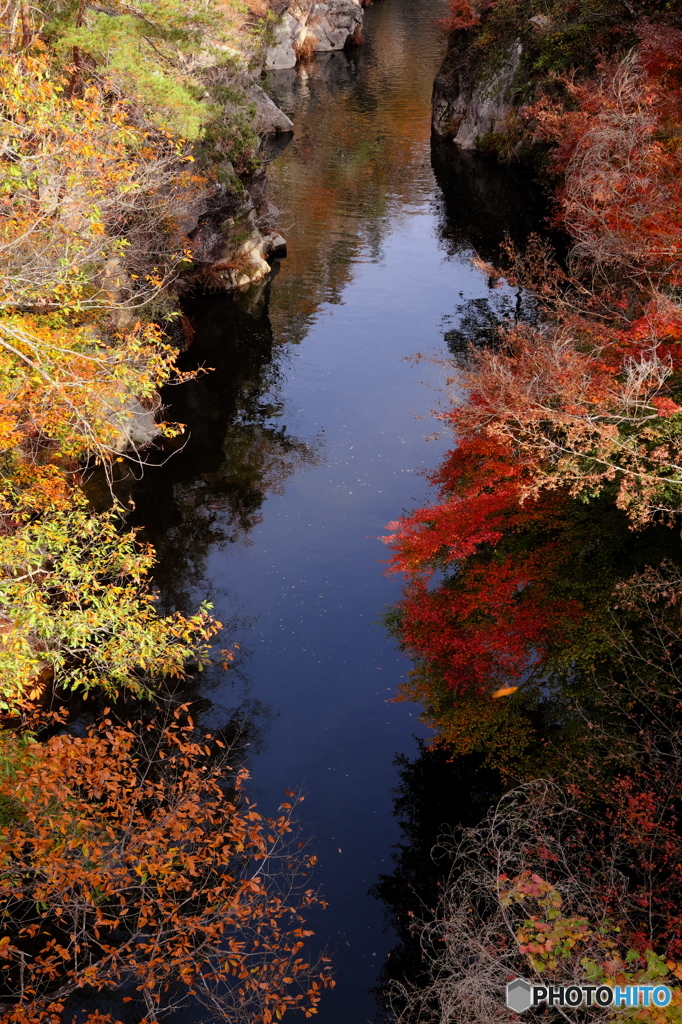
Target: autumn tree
{"type": "Point", "coordinates": [588, 399]}
{"type": "Point", "coordinates": [585, 408]}
{"type": "Point", "coordinates": [132, 860]}
{"type": "Point", "coordinates": [462, 15]}
{"type": "Point", "coordinates": [539, 630]}
{"type": "Point", "coordinates": [98, 187]}
{"type": "Point", "coordinates": [505, 599]}
{"type": "Point", "coordinates": [616, 153]}
{"type": "Point", "coordinates": [577, 876]}
{"type": "Point", "coordinates": [90, 238]}
{"type": "Point", "coordinates": [78, 613]}
{"type": "Point", "coordinates": [153, 55]}
{"type": "Point", "coordinates": [495, 619]}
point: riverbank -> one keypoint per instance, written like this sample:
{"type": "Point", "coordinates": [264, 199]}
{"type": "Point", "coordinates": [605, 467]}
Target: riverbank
{"type": "Point", "coordinates": [237, 235]}
{"type": "Point", "coordinates": [130, 171]}
{"type": "Point", "coordinates": [503, 59]}
{"type": "Point", "coordinates": [542, 581]}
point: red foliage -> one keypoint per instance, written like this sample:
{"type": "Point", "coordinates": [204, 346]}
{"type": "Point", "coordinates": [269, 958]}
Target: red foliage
{"type": "Point", "coordinates": [618, 151]}
{"type": "Point", "coordinates": [581, 404]}
{"type": "Point", "coordinates": [488, 623]}
{"type": "Point", "coordinates": [478, 484]}
{"type": "Point", "coordinates": [640, 824]}
{"type": "Point", "coordinates": [661, 53]}
{"type": "Point", "coordinates": [462, 16]}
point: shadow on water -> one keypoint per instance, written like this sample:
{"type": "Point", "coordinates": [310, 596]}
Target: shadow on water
{"type": "Point", "coordinates": [481, 207]}
{"type": "Point", "coordinates": [236, 452]}
{"type": "Point", "coordinates": [435, 800]}
{"type": "Point", "coordinates": [480, 204]}
{"type": "Point", "coordinates": [238, 449]}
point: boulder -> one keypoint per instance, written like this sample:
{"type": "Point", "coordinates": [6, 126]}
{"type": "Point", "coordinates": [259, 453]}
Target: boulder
{"type": "Point", "coordinates": [287, 34]}
{"type": "Point", "coordinates": [541, 22]}
{"type": "Point", "coordinates": [135, 426]}
{"type": "Point", "coordinates": [274, 245]}
{"type": "Point", "coordinates": [269, 119]}
{"type": "Point", "coordinates": [228, 247]}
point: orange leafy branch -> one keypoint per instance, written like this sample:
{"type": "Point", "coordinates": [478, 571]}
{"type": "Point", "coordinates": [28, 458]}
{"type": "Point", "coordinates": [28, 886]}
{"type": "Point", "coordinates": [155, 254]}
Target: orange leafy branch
{"type": "Point", "coordinates": [132, 858]}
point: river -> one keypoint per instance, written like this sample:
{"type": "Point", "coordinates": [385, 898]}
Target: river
{"type": "Point", "coordinates": [312, 432]}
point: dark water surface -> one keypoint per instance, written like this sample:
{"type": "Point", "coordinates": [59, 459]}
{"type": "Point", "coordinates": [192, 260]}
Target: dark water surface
{"type": "Point", "coordinates": [311, 434]}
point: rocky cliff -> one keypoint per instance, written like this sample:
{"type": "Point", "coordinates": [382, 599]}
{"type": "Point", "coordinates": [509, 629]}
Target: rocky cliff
{"type": "Point", "coordinates": [233, 239]}
{"type": "Point", "coordinates": [473, 104]}
{"type": "Point", "coordinates": [231, 228]}
{"type": "Point", "coordinates": [307, 28]}
{"type": "Point", "coordinates": [510, 56]}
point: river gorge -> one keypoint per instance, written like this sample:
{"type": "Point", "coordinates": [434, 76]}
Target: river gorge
{"type": "Point", "coordinates": [312, 431]}
{"type": "Point", "coordinates": [340, 505]}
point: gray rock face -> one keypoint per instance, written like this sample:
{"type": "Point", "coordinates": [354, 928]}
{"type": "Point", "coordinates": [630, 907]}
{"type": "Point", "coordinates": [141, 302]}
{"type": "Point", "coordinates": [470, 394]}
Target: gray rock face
{"type": "Point", "coordinates": [275, 245]}
{"type": "Point", "coordinates": [319, 27]}
{"type": "Point", "coordinates": [269, 119]}
{"type": "Point", "coordinates": [229, 225]}
{"type": "Point", "coordinates": [135, 425]}
{"type": "Point", "coordinates": [466, 106]}
{"type": "Point", "coordinates": [281, 53]}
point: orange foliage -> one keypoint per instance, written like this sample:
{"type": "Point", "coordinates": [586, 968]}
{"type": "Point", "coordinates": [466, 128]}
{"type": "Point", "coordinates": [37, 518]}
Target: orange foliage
{"type": "Point", "coordinates": [89, 199]}
{"type": "Point", "coordinates": [89, 236]}
{"type": "Point", "coordinates": [53, 1014]}
{"type": "Point", "coordinates": [133, 859]}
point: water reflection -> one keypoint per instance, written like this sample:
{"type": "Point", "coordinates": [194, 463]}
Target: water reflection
{"type": "Point", "coordinates": [481, 207]}
{"type": "Point", "coordinates": [237, 450]}
{"type": "Point", "coordinates": [359, 160]}
{"type": "Point", "coordinates": [481, 204]}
